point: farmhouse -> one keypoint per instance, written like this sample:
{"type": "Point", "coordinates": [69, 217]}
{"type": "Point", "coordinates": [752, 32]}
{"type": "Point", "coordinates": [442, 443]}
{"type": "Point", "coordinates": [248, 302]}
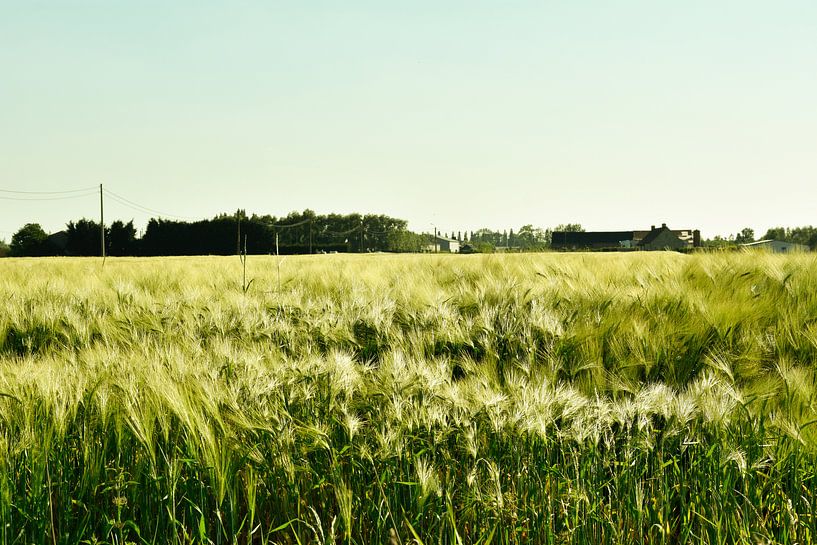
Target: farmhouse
{"type": "Point", "coordinates": [58, 242]}
{"type": "Point", "coordinates": [443, 244]}
{"type": "Point", "coordinates": [776, 246]}
{"type": "Point", "coordinates": [661, 238]}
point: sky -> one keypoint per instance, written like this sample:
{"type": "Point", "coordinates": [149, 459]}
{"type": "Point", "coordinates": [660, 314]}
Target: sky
{"type": "Point", "coordinates": [614, 114]}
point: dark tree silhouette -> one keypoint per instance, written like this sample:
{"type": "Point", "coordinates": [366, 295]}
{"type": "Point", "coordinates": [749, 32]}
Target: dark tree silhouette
{"type": "Point", "coordinates": [30, 240]}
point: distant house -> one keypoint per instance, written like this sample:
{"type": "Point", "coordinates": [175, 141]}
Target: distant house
{"type": "Point", "coordinates": [443, 244]}
{"type": "Point", "coordinates": [57, 243]}
{"type": "Point", "coordinates": [776, 246]}
{"type": "Point", "coordinates": [661, 238]}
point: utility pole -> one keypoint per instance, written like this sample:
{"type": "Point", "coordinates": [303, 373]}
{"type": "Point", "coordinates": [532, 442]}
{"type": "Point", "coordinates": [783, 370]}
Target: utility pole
{"type": "Point", "coordinates": [101, 223]}
{"type": "Point", "coordinates": [361, 235]}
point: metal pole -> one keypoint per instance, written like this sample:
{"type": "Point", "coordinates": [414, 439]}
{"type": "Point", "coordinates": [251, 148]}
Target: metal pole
{"type": "Point", "coordinates": [101, 223]}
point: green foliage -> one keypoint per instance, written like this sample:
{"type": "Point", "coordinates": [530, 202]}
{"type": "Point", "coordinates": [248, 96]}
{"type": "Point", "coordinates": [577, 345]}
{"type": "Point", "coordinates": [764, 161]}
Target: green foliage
{"type": "Point", "coordinates": [84, 238]}
{"type": "Point", "coordinates": [30, 240]}
{"type": "Point", "coordinates": [746, 235]}
{"type": "Point", "coordinates": [806, 235]}
{"type": "Point", "coordinates": [297, 233]}
{"type": "Point", "coordinates": [121, 239]}
{"type": "Point", "coordinates": [5, 249]}
{"type": "Point", "coordinates": [483, 247]}
{"type": "Point", "coordinates": [532, 238]}
{"type": "Point", "coordinates": [527, 238]}
{"type": "Point", "coordinates": [403, 240]}
{"type": "Point", "coordinates": [719, 242]}
{"type": "Point", "coordinates": [570, 228]}
{"type": "Point", "coordinates": [599, 399]}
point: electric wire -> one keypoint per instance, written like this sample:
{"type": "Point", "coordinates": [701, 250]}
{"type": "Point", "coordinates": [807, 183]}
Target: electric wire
{"type": "Point", "coordinates": [286, 225]}
{"type": "Point", "coordinates": [15, 195]}
{"type": "Point", "coordinates": [61, 198]}
{"type": "Point", "coordinates": [65, 191]}
{"type": "Point", "coordinates": [140, 208]}
{"type": "Point", "coordinates": [341, 233]}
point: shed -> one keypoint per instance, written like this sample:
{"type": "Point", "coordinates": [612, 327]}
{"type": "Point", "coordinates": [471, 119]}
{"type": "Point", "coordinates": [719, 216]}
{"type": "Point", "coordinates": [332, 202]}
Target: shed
{"type": "Point", "coordinates": [776, 246]}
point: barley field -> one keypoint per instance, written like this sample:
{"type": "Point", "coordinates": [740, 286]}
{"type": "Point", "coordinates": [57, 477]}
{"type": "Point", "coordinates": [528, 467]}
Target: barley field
{"type": "Point", "coordinates": [551, 398]}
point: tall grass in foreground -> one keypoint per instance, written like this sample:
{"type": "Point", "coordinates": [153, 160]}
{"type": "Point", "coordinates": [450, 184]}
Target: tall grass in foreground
{"type": "Point", "coordinates": [650, 398]}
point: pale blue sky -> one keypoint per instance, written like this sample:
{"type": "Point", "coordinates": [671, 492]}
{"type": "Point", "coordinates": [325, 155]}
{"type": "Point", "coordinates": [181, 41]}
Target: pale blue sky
{"type": "Point", "coordinates": [614, 114]}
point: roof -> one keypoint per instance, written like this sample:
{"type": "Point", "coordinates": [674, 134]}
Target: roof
{"type": "Point", "coordinates": [769, 241]}
{"type": "Point", "coordinates": [59, 239]}
{"type": "Point", "coordinates": [447, 239]}
{"type": "Point", "coordinates": [572, 238]}
{"type": "Point", "coordinates": [654, 234]}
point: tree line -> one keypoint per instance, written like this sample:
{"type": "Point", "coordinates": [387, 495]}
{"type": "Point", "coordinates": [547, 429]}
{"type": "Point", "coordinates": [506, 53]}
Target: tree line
{"type": "Point", "coordinates": [225, 234]}
{"type": "Point", "coordinates": [296, 233]}
{"type": "Point", "coordinates": [805, 235]}
{"type": "Point", "coordinates": [305, 232]}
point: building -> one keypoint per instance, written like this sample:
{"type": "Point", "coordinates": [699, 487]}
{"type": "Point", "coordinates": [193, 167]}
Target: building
{"type": "Point", "coordinates": [591, 240]}
{"type": "Point", "coordinates": [57, 243]}
{"type": "Point", "coordinates": [443, 244]}
{"type": "Point", "coordinates": [776, 246]}
{"type": "Point", "coordinates": [661, 238]}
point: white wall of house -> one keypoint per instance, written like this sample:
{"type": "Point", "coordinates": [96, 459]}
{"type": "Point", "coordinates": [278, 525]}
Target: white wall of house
{"type": "Point", "coordinates": [444, 245]}
{"type": "Point", "coordinates": [447, 245]}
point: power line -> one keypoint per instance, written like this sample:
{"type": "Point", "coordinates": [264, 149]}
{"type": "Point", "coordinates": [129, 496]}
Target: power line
{"type": "Point", "coordinates": [84, 189]}
{"type": "Point", "coordinates": [61, 198]}
{"type": "Point", "coordinates": [338, 234]}
{"type": "Point", "coordinates": [285, 225]}
{"type": "Point", "coordinates": [140, 208]}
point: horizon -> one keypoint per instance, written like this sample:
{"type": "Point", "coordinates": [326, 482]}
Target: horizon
{"type": "Point", "coordinates": [140, 227]}
{"type": "Point", "coordinates": [464, 115]}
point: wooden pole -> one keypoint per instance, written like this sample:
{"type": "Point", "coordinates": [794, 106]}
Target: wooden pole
{"type": "Point", "coordinates": [101, 223]}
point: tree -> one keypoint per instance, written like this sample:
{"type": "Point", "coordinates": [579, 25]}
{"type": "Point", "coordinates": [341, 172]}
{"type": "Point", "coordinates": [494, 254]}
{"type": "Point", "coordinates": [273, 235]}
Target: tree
{"type": "Point", "coordinates": [776, 233]}
{"type": "Point", "coordinates": [121, 239]}
{"type": "Point", "coordinates": [799, 235]}
{"type": "Point", "coordinates": [405, 241]}
{"type": "Point", "coordinates": [484, 247]}
{"type": "Point", "coordinates": [83, 238]}
{"type": "Point", "coordinates": [719, 242]}
{"type": "Point", "coordinates": [531, 238]}
{"type": "Point", "coordinates": [30, 240]}
{"type": "Point", "coordinates": [5, 250]}
{"type": "Point", "coordinates": [570, 228]}
{"type": "Point", "coordinates": [746, 235]}
{"type": "Point", "coordinates": [804, 235]}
